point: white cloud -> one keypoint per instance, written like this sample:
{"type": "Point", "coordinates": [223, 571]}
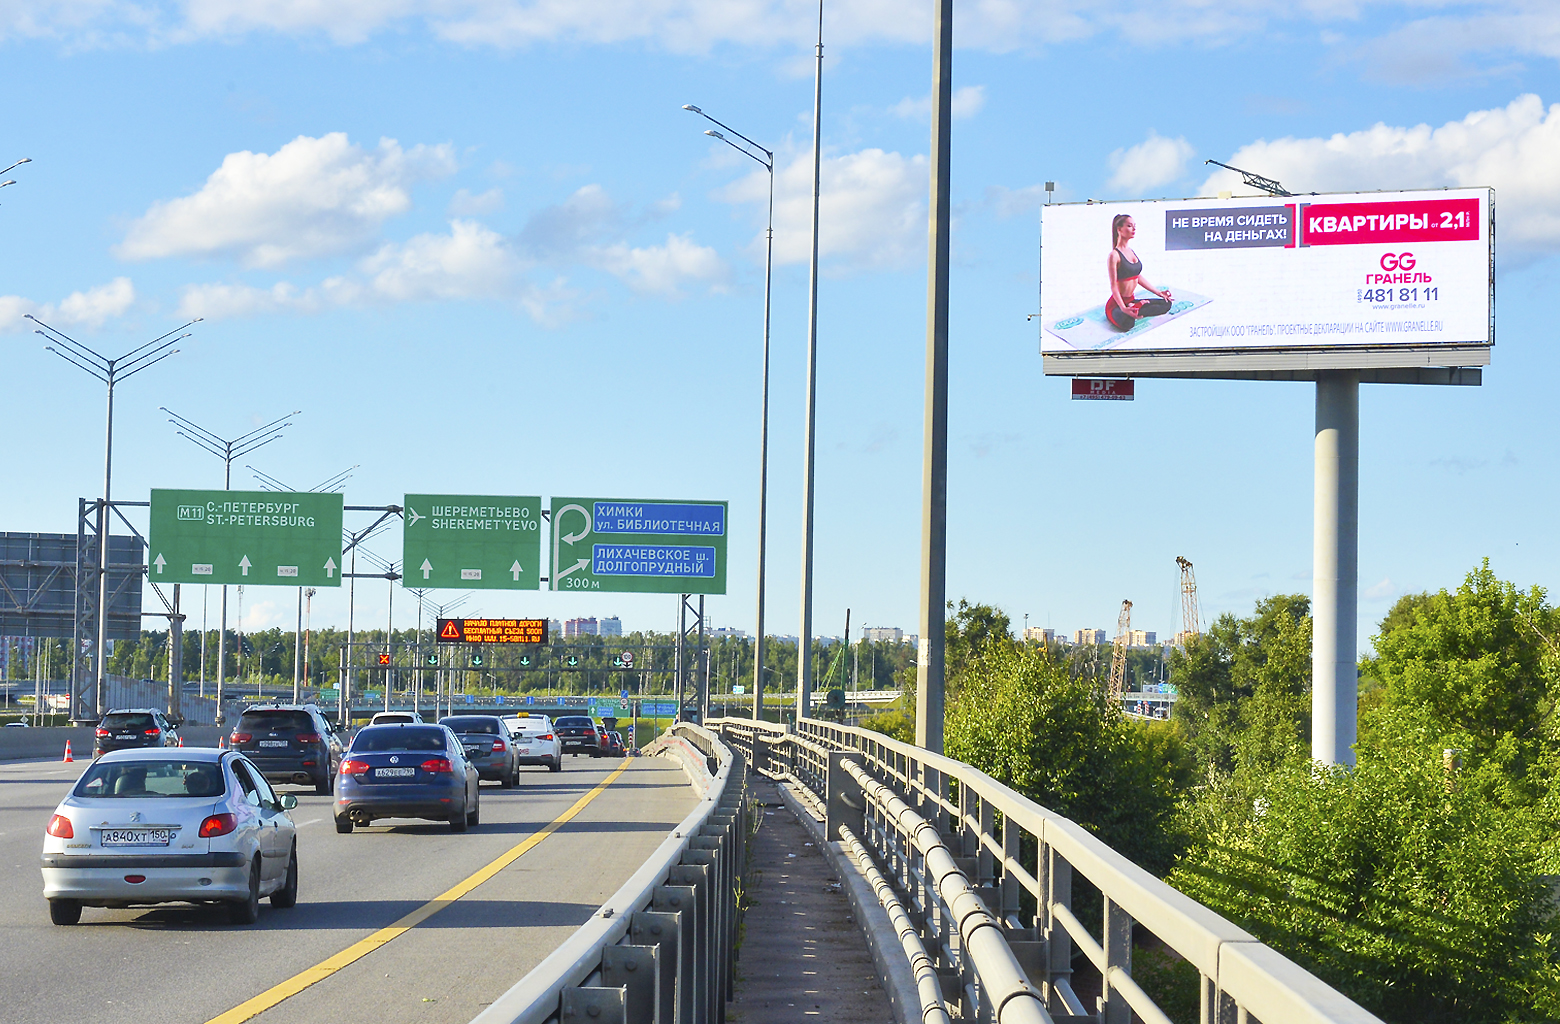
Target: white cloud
{"type": "Point", "coordinates": [659, 269]}
{"type": "Point", "coordinates": [1514, 149]}
{"type": "Point", "coordinates": [872, 207]}
{"type": "Point", "coordinates": [966, 101]}
{"type": "Point", "coordinates": [471, 262]}
{"type": "Point", "coordinates": [313, 197]}
{"type": "Point", "coordinates": [90, 308]}
{"type": "Point", "coordinates": [1153, 162]}
{"type": "Point", "coordinates": [464, 204]}
{"type": "Point", "coordinates": [1380, 591]}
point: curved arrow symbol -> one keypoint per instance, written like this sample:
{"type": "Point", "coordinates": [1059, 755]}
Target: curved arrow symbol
{"type": "Point", "coordinates": [560, 537]}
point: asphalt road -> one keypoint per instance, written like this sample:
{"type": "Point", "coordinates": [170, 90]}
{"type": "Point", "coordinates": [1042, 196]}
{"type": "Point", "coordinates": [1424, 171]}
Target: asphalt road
{"type": "Point", "coordinates": [186, 965]}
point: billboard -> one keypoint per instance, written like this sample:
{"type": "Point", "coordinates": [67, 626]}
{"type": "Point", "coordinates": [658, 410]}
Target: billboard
{"type": "Point", "coordinates": [1393, 270]}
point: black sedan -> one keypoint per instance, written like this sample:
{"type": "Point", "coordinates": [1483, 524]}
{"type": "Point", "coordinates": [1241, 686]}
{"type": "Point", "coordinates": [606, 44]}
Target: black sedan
{"type": "Point", "coordinates": [406, 771]}
{"type": "Point", "coordinates": [487, 744]}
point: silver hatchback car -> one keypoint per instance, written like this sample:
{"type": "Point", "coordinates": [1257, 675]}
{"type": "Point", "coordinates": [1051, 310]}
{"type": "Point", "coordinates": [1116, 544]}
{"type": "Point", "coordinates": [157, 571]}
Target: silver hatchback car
{"type": "Point", "coordinates": [180, 825]}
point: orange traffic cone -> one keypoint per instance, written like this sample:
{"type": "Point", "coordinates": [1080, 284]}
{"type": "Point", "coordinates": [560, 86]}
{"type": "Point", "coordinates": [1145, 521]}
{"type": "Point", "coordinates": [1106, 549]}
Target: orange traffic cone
{"type": "Point", "coordinates": [181, 741]}
{"type": "Point", "coordinates": [68, 758]}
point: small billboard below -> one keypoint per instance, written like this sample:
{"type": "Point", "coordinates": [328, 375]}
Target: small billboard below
{"type": "Point", "coordinates": [1094, 389]}
{"type": "Point", "coordinates": [1202, 283]}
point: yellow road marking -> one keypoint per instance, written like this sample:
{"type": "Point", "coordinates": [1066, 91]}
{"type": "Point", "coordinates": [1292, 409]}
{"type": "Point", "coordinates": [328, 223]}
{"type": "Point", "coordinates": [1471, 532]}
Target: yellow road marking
{"type": "Point", "coordinates": [358, 950]}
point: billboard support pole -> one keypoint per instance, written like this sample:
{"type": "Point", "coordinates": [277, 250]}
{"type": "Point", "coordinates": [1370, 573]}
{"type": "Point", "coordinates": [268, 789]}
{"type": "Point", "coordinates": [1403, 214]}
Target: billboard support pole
{"type": "Point", "coordinates": [1335, 569]}
{"type": "Point", "coordinates": [929, 696]}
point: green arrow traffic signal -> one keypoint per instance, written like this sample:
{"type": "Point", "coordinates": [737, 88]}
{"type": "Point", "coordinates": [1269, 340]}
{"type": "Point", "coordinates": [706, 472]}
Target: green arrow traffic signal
{"type": "Point", "coordinates": [525, 660]}
{"type": "Point", "coordinates": [476, 660]}
{"type": "Point", "coordinates": [573, 660]}
{"type": "Point", "coordinates": [433, 659]}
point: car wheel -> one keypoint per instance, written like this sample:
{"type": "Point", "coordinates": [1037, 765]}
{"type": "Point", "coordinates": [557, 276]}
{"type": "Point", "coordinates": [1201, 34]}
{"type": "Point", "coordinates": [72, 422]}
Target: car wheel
{"type": "Point", "coordinates": [475, 817]}
{"type": "Point", "coordinates": [287, 895]}
{"type": "Point", "coordinates": [557, 764]}
{"type": "Point", "coordinates": [65, 911]}
{"type": "Point", "coordinates": [344, 825]}
{"type": "Point", "coordinates": [459, 822]}
{"type": "Point", "coordinates": [324, 786]}
{"type": "Point", "coordinates": [247, 911]}
{"type": "Point", "coordinates": [507, 780]}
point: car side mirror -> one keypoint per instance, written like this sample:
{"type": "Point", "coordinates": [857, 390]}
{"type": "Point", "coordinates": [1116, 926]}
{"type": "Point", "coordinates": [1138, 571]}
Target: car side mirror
{"type": "Point", "coordinates": [289, 801]}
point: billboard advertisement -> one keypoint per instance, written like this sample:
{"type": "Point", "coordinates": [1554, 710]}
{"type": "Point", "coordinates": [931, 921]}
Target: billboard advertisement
{"type": "Point", "coordinates": [1379, 269]}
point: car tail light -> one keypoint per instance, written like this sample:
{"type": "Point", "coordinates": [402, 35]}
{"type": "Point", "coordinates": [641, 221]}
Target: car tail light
{"type": "Point", "coordinates": [545, 736]}
{"type": "Point", "coordinates": [353, 767]}
{"type": "Point", "coordinates": [135, 879]}
{"type": "Point", "coordinates": [59, 827]}
{"type": "Point", "coordinates": [499, 746]}
{"type": "Point", "coordinates": [152, 732]}
{"type": "Point", "coordinates": [308, 737]}
{"type": "Point", "coordinates": [217, 825]}
{"type": "Point", "coordinates": [241, 737]}
{"type": "Point", "coordinates": [437, 765]}
{"type": "Point", "coordinates": [102, 732]}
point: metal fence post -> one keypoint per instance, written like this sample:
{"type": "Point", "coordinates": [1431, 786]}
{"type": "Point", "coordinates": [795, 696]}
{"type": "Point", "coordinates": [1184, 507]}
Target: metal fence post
{"type": "Point", "coordinates": [1118, 955]}
{"type": "Point", "coordinates": [683, 900]}
{"type": "Point", "coordinates": [650, 926]}
{"type": "Point", "coordinates": [636, 970]}
{"type": "Point", "coordinates": [1058, 942]}
{"type": "Point", "coordinates": [845, 804]}
{"type": "Point", "coordinates": [596, 1005]}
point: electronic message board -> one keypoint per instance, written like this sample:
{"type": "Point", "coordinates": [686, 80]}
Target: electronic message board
{"type": "Point", "coordinates": [639, 546]}
{"type": "Point", "coordinates": [1402, 271]}
{"type": "Point", "coordinates": [492, 631]}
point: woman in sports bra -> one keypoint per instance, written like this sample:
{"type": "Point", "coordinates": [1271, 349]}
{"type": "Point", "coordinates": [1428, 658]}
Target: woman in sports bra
{"type": "Point", "coordinates": [1123, 309]}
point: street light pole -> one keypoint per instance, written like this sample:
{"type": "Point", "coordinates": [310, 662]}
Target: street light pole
{"type": "Point", "coordinates": [226, 450]}
{"type": "Point", "coordinates": [110, 372]}
{"type": "Point", "coordinates": [804, 638]}
{"type": "Point", "coordinates": [930, 681]}
{"type": "Point", "coordinates": [768, 162]}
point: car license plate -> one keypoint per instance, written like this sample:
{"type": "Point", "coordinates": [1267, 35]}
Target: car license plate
{"type": "Point", "coordinates": [273, 743]}
{"type": "Point", "coordinates": [136, 836]}
{"type": "Point", "coordinates": [525, 750]}
{"type": "Point", "coordinates": [124, 736]}
{"type": "Point", "coordinates": [394, 773]}
{"type": "Point", "coordinates": [476, 752]}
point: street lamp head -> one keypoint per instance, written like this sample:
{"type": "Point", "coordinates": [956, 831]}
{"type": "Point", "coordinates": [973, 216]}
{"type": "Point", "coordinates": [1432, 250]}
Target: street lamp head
{"type": "Point", "coordinates": [690, 106]}
{"type": "Point", "coordinates": [3, 184]}
{"type": "Point", "coordinates": [712, 133]}
{"type": "Point", "coordinates": [24, 160]}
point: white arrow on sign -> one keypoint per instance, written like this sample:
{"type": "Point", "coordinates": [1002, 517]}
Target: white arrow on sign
{"type": "Point", "coordinates": [427, 566]}
{"type": "Point", "coordinates": [514, 570]}
{"type": "Point", "coordinates": [159, 562]}
{"type": "Point", "coordinates": [243, 563]}
{"type": "Point", "coordinates": [559, 537]}
{"type": "Point", "coordinates": [415, 516]}
{"type": "Point", "coordinates": [330, 568]}
{"type": "Point", "coordinates": [576, 567]}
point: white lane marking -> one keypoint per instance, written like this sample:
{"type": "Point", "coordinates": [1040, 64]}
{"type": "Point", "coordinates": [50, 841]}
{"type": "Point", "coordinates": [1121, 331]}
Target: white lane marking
{"type": "Point", "coordinates": [311, 821]}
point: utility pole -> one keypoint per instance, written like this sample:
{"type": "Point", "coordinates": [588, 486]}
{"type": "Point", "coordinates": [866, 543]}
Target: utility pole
{"type": "Point", "coordinates": [804, 642]}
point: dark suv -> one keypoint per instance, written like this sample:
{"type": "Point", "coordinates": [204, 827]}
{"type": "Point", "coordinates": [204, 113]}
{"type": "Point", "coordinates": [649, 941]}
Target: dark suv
{"type": "Point", "coordinates": [578, 735]}
{"type": "Point", "coordinates": [290, 743]}
{"type": "Point", "coordinates": [134, 727]}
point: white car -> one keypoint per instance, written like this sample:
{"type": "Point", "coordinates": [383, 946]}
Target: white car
{"type": "Point", "coordinates": [535, 741]}
{"type": "Point", "coordinates": [396, 718]}
{"type": "Point", "coordinates": [170, 825]}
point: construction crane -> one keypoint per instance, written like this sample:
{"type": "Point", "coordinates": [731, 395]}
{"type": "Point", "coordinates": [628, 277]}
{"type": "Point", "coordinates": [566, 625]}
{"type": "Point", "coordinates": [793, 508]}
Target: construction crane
{"type": "Point", "coordinates": [1118, 653]}
{"type": "Point", "coordinates": [1254, 180]}
{"type": "Point", "coordinates": [1189, 625]}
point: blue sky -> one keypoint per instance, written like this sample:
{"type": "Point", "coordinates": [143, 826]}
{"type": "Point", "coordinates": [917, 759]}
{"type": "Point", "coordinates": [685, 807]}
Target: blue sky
{"type": "Point", "coordinates": [483, 249]}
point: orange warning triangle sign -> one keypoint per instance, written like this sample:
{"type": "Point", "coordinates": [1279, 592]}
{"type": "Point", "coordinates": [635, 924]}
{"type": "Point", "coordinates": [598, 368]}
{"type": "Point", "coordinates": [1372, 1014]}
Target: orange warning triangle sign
{"type": "Point", "coordinates": [450, 631]}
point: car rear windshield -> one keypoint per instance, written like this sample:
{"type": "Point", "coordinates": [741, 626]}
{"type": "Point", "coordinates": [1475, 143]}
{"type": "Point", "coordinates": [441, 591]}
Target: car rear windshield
{"type": "Point", "coordinates": [152, 779]}
{"type": "Point", "coordinates": [471, 725]}
{"type": "Point", "coordinates": [128, 721]}
{"type": "Point", "coordinates": [393, 716]}
{"type": "Point", "coordinates": [573, 722]}
{"type": "Point", "coordinates": [276, 721]}
{"type": "Point", "coordinates": [398, 737]}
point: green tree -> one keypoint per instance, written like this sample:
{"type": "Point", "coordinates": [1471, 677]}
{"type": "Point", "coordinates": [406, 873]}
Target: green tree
{"type": "Point", "coordinates": [1023, 719]}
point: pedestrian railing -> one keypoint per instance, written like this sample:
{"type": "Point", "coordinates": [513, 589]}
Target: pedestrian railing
{"type": "Point", "coordinates": [661, 950]}
{"type": "Point", "coordinates": [988, 876]}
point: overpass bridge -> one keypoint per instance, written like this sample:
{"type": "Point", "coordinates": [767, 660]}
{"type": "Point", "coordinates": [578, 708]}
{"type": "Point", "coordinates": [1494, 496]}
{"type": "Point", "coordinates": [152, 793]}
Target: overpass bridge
{"type": "Point", "coordinates": [609, 893]}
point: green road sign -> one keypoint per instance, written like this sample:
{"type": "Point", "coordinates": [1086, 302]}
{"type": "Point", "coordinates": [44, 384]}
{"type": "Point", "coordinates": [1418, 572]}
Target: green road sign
{"type": "Point", "coordinates": [257, 538]}
{"type": "Point", "coordinates": [472, 542]}
{"type": "Point", "coordinates": [646, 547]}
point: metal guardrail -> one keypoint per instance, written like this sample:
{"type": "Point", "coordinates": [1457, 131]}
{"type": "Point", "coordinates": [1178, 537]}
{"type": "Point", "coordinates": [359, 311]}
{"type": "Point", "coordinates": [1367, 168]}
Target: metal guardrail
{"type": "Point", "coordinates": [989, 875]}
{"type": "Point", "coordinates": [660, 951]}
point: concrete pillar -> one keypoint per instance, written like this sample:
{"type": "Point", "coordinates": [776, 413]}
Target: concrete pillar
{"type": "Point", "coordinates": [1335, 569]}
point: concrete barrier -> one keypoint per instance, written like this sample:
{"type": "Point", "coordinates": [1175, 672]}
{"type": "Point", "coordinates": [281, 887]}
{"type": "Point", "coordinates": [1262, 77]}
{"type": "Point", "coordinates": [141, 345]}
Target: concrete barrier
{"type": "Point", "coordinates": [22, 744]}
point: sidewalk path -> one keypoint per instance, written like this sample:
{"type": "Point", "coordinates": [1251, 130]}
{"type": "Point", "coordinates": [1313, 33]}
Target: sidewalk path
{"type": "Point", "coordinates": [803, 956]}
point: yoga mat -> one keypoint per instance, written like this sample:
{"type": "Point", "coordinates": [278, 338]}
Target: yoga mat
{"type": "Point", "coordinates": [1090, 329]}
